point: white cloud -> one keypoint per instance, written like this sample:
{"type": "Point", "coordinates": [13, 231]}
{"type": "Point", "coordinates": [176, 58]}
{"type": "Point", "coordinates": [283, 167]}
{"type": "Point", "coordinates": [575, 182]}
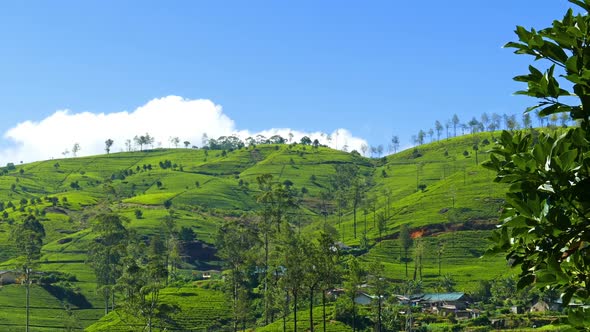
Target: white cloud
{"type": "Point", "coordinates": [162, 118]}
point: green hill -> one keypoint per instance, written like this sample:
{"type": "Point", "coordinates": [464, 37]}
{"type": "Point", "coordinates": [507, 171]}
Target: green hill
{"type": "Point", "coordinates": [438, 189]}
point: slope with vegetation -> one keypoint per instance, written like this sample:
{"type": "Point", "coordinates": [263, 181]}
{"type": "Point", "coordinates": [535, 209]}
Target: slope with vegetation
{"type": "Point", "coordinates": [172, 202]}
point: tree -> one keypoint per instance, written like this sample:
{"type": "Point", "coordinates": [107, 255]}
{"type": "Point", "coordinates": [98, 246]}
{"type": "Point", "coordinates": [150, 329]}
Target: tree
{"type": "Point", "coordinates": [107, 145]}
{"type": "Point", "coordinates": [485, 119]}
{"type": "Point", "coordinates": [186, 144]}
{"type": "Point", "coordinates": [395, 143]}
{"type": "Point", "coordinates": [354, 279]}
{"type": "Point", "coordinates": [296, 262]}
{"type": "Point", "coordinates": [526, 121]}
{"type": "Point", "coordinates": [473, 124]}
{"type": "Point", "coordinates": [316, 143]}
{"type": "Point", "coordinates": [235, 241]}
{"type": "Point", "coordinates": [75, 149]}
{"type": "Point", "coordinates": [364, 149]}
{"type": "Point", "coordinates": [377, 281]}
{"type": "Point", "coordinates": [305, 140]}
{"type": "Point", "coordinates": [144, 275]}
{"type": "Point", "coordinates": [175, 141]}
{"type": "Point", "coordinates": [327, 265]}
{"type": "Point", "coordinates": [106, 253]}
{"type": "Point", "coordinates": [381, 224]}
{"type": "Point", "coordinates": [438, 127]}
{"type": "Point", "coordinates": [455, 121]}
{"type": "Point", "coordinates": [143, 140]}
{"type": "Point", "coordinates": [545, 225]}
{"type": "Point", "coordinates": [28, 238]}
{"type": "Point", "coordinates": [420, 137]}
{"type": "Point", "coordinates": [405, 241]}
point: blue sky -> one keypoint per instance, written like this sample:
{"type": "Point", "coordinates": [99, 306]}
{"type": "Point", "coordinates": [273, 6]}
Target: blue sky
{"type": "Point", "coordinates": [376, 68]}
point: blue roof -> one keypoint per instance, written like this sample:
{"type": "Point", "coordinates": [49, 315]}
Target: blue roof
{"type": "Point", "coordinates": [442, 297]}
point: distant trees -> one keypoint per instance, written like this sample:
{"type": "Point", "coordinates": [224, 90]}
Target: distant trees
{"type": "Point", "coordinates": [143, 140]}
{"type": "Point", "coordinates": [186, 144]}
{"type": "Point", "coordinates": [107, 145]}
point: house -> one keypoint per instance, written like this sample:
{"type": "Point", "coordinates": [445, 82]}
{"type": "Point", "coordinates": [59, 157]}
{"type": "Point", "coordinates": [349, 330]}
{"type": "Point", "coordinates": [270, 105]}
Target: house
{"type": "Point", "coordinates": [210, 273]}
{"type": "Point", "coordinates": [540, 306]}
{"type": "Point", "coordinates": [446, 304]}
{"type": "Point", "coordinates": [8, 277]}
{"type": "Point", "coordinates": [363, 298]}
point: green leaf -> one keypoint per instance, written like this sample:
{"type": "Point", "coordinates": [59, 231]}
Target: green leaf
{"type": "Point", "coordinates": [572, 64]}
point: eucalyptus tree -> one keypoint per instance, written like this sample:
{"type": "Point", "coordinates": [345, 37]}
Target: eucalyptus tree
{"type": "Point", "coordinates": [328, 267]}
{"type": "Point", "coordinates": [438, 127]}
{"type": "Point", "coordinates": [455, 121]}
{"type": "Point", "coordinates": [75, 149]}
{"type": "Point", "coordinates": [236, 243]}
{"type": "Point", "coordinates": [277, 200]}
{"type": "Point", "coordinates": [28, 237]}
{"type": "Point", "coordinates": [296, 262]}
{"type": "Point", "coordinates": [395, 143]}
{"type": "Point", "coordinates": [353, 280]}
{"type": "Point", "coordinates": [405, 242]}
{"type": "Point", "coordinates": [143, 276]}
{"type": "Point", "coordinates": [107, 145]}
{"type": "Point", "coordinates": [376, 280]}
{"type": "Point", "coordinates": [106, 252]}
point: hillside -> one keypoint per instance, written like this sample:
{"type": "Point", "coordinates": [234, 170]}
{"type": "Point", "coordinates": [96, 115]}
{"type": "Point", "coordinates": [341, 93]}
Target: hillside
{"type": "Point", "coordinates": [437, 189]}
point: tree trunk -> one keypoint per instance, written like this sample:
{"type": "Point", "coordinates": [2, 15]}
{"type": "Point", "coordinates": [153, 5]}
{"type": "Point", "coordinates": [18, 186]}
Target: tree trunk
{"type": "Point", "coordinates": [28, 286]}
{"type": "Point", "coordinates": [406, 261]}
{"type": "Point", "coordinates": [265, 278]}
{"type": "Point", "coordinates": [106, 301]}
{"type": "Point", "coordinates": [353, 315]}
{"type": "Point", "coordinates": [294, 311]}
{"type": "Point", "coordinates": [354, 219]}
{"type": "Point", "coordinates": [379, 316]}
{"type": "Point", "coordinates": [324, 308]}
{"type": "Point", "coordinates": [311, 309]}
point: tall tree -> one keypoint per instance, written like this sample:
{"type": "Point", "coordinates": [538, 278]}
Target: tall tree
{"type": "Point", "coordinates": [327, 265]}
{"type": "Point", "coordinates": [405, 241]}
{"type": "Point", "coordinates": [75, 149]}
{"type": "Point", "coordinates": [276, 200]}
{"type": "Point", "coordinates": [236, 241]}
{"type": "Point", "coordinates": [107, 145]}
{"type": "Point", "coordinates": [438, 127]}
{"type": "Point", "coordinates": [354, 279]}
{"type": "Point", "coordinates": [106, 253]}
{"type": "Point", "coordinates": [143, 276]}
{"type": "Point", "coordinates": [296, 263]}
{"type": "Point", "coordinates": [395, 143]}
{"type": "Point", "coordinates": [376, 279]}
{"type": "Point", "coordinates": [175, 141]}
{"type": "Point", "coordinates": [420, 137]}
{"type": "Point", "coordinates": [455, 121]}
{"type": "Point", "coordinates": [28, 237]}
{"type": "Point", "coordinates": [485, 119]}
